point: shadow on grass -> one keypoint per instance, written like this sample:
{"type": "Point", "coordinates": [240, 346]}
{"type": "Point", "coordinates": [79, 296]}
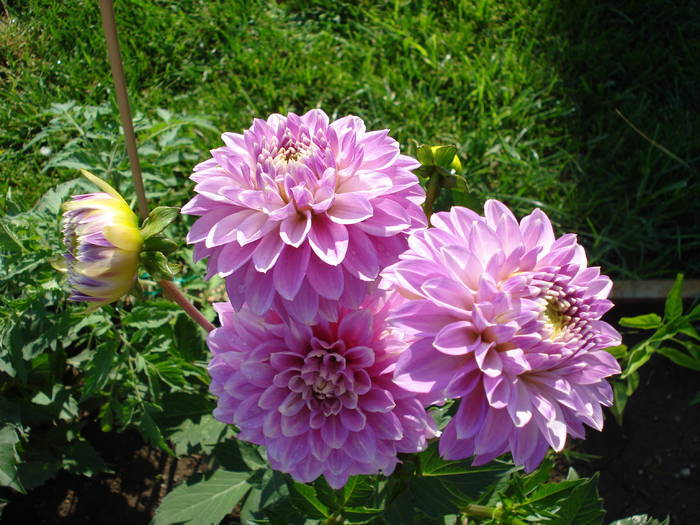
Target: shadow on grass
{"type": "Point", "coordinates": [626, 65]}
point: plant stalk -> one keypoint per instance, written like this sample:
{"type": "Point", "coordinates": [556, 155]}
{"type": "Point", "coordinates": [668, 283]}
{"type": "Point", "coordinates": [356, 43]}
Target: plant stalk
{"type": "Point", "coordinates": [432, 192]}
{"type": "Point", "coordinates": [110, 28]}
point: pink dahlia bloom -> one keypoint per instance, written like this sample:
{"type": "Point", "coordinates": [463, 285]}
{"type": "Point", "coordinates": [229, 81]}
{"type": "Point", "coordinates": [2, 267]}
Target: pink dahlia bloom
{"type": "Point", "coordinates": [299, 213]}
{"type": "Point", "coordinates": [319, 398]}
{"type": "Point", "coordinates": [508, 320]}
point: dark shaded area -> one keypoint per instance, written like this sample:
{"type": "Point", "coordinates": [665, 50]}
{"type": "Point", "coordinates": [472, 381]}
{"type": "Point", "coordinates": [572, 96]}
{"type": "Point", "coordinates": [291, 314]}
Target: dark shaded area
{"type": "Point", "coordinates": [628, 64]}
{"type": "Point", "coordinates": [650, 464]}
{"type": "Point", "coordinates": [130, 494]}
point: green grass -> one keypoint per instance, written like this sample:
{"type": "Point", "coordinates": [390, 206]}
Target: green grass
{"type": "Point", "coordinates": [528, 91]}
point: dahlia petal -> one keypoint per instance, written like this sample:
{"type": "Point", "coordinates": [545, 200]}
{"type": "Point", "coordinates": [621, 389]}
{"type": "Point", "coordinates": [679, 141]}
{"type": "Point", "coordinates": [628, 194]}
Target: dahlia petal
{"type": "Point", "coordinates": [251, 229]}
{"type": "Point", "coordinates": [267, 252]}
{"type": "Point", "coordinates": [361, 259]}
{"type": "Point", "coordinates": [356, 328]}
{"type": "Point", "coordinates": [232, 257]}
{"type": "Point", "coordinates": [295, 228]}
{"type": "Point", "coordinates": [328, 240]}
{"type": "Point", "coordinates": [350, 208]}
{"type": "Point", "coordinates": [421, 369]}
{"type": "Point", "coordinates": [455, 338]}
{"type": "Point", "coordinates": [288, 275]}
{"type": "Point", "coordinates": [326, 280]}
{"type": "Point", "coordinates": [353, 420]}
{"type": "Point", "coordinates": [377, 400]}
{"type": "Point", "coordinates": [334, 433]}
{"type": "Point", "coordinates": [469, 418]}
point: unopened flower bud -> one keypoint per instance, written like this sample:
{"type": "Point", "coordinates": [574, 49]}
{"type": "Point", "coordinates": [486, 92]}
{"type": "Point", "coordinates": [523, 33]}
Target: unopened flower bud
{"type": "Point", "coordinates": [103, 241]}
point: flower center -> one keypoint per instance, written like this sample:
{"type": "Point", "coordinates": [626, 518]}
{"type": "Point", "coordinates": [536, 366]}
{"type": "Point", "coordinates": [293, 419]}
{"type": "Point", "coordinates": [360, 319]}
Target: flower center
{"type": "Point", "coordinates": [557, 312]}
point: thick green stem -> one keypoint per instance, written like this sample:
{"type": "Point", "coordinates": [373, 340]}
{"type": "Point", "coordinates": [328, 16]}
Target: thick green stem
{"type": "Point", "coordinates": [110, 28]}
{"type": "Point", "coordinates": [432, 193]}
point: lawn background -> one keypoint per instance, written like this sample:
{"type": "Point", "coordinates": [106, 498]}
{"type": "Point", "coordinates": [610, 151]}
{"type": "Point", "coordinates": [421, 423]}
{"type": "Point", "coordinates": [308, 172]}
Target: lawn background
{"type": "Point", "coordinates": [542, 98]}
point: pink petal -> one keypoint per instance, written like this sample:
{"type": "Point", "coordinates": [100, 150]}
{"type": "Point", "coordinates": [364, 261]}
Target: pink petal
{"type": "Point", "coordinates": [289, 272]}
{"type": "Point", "coordinates": [349, 208]}
{"type": "Point", "coordinates": [294, 229]}
{"type": "Point", "coordinates": [327, 280]}
{"type": "Point", "coordinates": [328, 240]}
{"type": "Point", "coordinates": [455, 338]}
{"type": "Point", "coordinates": [267, 252]}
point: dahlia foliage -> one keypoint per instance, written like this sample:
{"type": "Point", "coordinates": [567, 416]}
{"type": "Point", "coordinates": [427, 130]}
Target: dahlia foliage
{"type": "Point", "coordinates": [299, 213]}
{"type": "Point", "coordinates": [320, 398]}
{"type": "Point", "coordinates": [507, 319]}
{"type": "Point", "coordinates": [102, 240]}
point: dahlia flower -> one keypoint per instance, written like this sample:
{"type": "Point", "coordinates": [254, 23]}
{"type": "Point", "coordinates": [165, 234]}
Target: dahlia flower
{"type": "Point", "coordinates": [298, 213]}
{"type": "Point", "coordinates": [508, 320]}
{"type": "Point", "coordinates": [320, 398]}
{"type": "Point", "coordinates": [102, 241]}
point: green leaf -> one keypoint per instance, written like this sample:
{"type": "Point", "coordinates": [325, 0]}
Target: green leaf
{"type": "Point", "coordinates": [642, 322]}
{"type": "Point", "coordinates": [158, 220]}
{"type": "Point", "coordinates": [674, 304]}
{"type": "Point", "coordinates": [639, 355]}
{"type": "Point", "coordinates": [679, 357]}
{"type": "Point", "coordinates": [582, 506]}
{"type": "Point", "coordinates": [150, 431]}
{"type": "Point", "coordinates": [9, 458]}
{"type": "Point", "coordinates": [82, 458]}
{"type": "Point", "coordinates": [203, 500]}
{"type": "Point", "coordinates": [99, 369]}
{"type": "Point", "coordinates": [305, 498]}
{"type": "Point", "coordinates": [156, 264]}
{"type": "Point", "coordinates": [158, 243]}
{"type": "Point", "coordinates": [151, 315]}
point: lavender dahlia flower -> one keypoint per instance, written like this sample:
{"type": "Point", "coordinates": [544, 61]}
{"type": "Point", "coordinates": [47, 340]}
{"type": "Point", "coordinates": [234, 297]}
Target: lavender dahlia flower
{"type": "Point", "coordinates": [103, 242]}
{"type": "Point", "coordinates": [298, 213]}
{"type": "Point", "coordinates": [508, 320]}
{"type": "Point", "coordinates": [319, 398]}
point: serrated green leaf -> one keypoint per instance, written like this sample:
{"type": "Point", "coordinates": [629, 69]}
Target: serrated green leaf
{"type": "Point", "coordinates": [203, 500]}
{"type": "Point", "coordinates": [642, 322]}
{"type": "Point", "coordinates": [99, 369]}
{"type": "Point", "coordinates": [150, 431]}
{"type": "Point", "coordinates": [582, 506]}
{"type": "Point", "coordinates": [674, 304]}
{"type": "Point", "coordinates": [305, 498]}
{"type": "Point", "coordinates": [151, 315]}
{"type": "Point", "coordinates": [158, 220]}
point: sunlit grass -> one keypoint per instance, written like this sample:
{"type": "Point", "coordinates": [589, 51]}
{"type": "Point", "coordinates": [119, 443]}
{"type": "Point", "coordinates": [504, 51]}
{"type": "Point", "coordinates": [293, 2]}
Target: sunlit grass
{"type": "Point", "coordinates": [526, 89]}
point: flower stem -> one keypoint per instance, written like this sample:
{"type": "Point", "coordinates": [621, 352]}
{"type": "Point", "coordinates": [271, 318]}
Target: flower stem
{"type": "Point", "coordinates": [482, 511]}
{"type": "Point", "coordinates": [173, 293]}
{"type": "Point", "coordinates": [115, 60]}
{"type": "Point", "coordinates": [432, 192]}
